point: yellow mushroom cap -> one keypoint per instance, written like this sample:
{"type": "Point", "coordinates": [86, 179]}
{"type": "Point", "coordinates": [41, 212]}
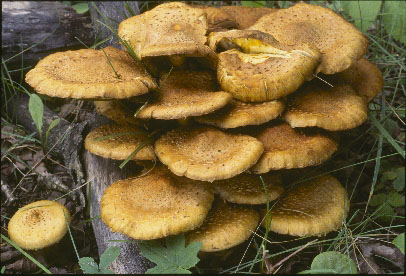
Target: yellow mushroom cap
{"type": "Point", "coordinates": [155, 205]}
{"type": "Point", "coordinates": [248, 188]}
{"type": "Point", "coordinates": [115, 110]}
{"type": "Point", "coordinates": [332, 108]}
{"type": "Point", "coordinates": [226, 226]}
{"type": "Point", "coordinates": [217, 19]}
{"type": "Point", "coordinates": [88, 73]}
{"type": "Point", "coordinates": [39, 224]}
{"type": "Point", "coordinates": [246, 16]}
{"type": "Point", "coordinates": [237, 114]}
{"type": "Point", "coordinates": [206, 153]}
{"type": "Point", "coordinates": [118, 142]}
{"type": "Point", "coordinates": [183, 94]}
{"type": "Point", "coordinates": [340, 42]}
{"type": "Point", "coordinates": [287, 148]}
{"type": "Point", "coordinates": [311, 208]}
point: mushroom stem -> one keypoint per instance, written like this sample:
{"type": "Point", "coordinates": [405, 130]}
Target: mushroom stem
{"type": "Point", "coordinates": [177, 60]}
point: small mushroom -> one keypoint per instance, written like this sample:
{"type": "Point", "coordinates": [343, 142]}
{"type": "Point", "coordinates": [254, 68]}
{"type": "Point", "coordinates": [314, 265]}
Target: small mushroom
{"type": "Point", "coordinates": [311, 208]}
{"type": "Point", "coordinates": [116, 111]}
{"type": "Point", "coordinates": [89, 74]}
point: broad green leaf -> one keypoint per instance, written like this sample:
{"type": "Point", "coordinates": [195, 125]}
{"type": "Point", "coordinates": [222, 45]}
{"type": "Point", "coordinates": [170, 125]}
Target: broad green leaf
{"type": "Point", "coordinates": [378, 199]}
{"type": "Point", "coordinates": [36, 108]}
{"type": "Point", "coordinates": [189, 258]}
{"type": "Point", "coordinates": [253, 4]}
{"type": "Point", "coordinates": [395, 199]}
{"type": "Point", "coordinates": [106, 271]}
{"type": "Point", "coordinates": [385, 212]}
{"type": "Point", "coordinates": [3, 269]}
{"type": "Point", "coordinates": [399, 242]}
{"type": "Point", "coordinates": [108, 256]}
{"type": "Point", "coordinates": [337, 262]}
{"type": "Point", "coordinates": [394, 19]}
{"type": "Point", "coordinates": [88, 265]}
{"type": "Point", "coordinates": [153, 252]}
{"type": "Point", "coordinates": [399, 183]}
{"type": "Point", "coordinates": [167, 270]}
{"type": "Point", "coordinates": [364, 13]}
{"type": "Point", "coordinates": [53, 124]}
{"type": "Point", "coordinates": [81, 7]}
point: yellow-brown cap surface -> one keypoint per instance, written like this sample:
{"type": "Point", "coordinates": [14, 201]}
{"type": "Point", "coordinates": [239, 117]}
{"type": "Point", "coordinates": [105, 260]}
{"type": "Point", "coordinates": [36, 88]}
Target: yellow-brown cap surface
{"type": "Point", "coordinates": [246, 16]}
{"type": "Point", "coordinates": [312, 208]}
{"type": "Point", "coordinates": [340, 42]}
{"type": "Point", "coordinates": [39, 224]}
{"type": "Point", "coordinates": [237, 114]}
{"type": "Point", "coordinates": [155, 205]}
{"type": "Point", "coordinates": [332, 108]}
{"type": "Point", "coordinates": [116, 111]}
{"type": "Point", "coordinates": [226, 226]}
{"type": "Point", "coordinates": [87, 74]}
{"type": "Point", "coordinates": [206, 153]}
{"type": "Point", "coordinates": [217, 19]}
{"type": "Point", "coordinates": [248, 188]}
{"type": "Point", "coordinates": [287, 148]}
{"type": "Point", "coordinates": [118, 142]}
{"type": "Point", "coordinates": [183, 94]}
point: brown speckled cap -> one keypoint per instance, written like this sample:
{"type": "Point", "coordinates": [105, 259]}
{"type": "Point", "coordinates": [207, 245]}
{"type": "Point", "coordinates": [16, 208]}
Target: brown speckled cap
{"type": "Point", "coordinates": [246, 16]}
{"type": "Point", "coordinates": [237, 114]}
{"type": "Point", "coordinates": [118, 142]}
{"type": "Point", "coordinates": [183, 94]}
{"type": "Point", "coordinates": [248, 188]}
{"type": "Point", "coordinates": [332, 108]}
{"type": "Point", "coordinates": [226, 226]}
{"type": "Point", "coordinates": [117, 111]}
{"type": "Point", "coordinates": [218, 19]}
{"type": "Point", "coordinates": [312, 208]}
{"type": "Point", "coordinates": [155, 205]}
{"type": "Point", "coordinates": [169, 29]}
{"type": "Point", "coordinates": [39, 224]}
{"type": "Point", "coordinates": [339, 41]}
{"type": "Point", "coordinates": [206, 153]}
{"type": "Point", "coordinates": [287, 148]}
{"type": "Point", "coordinates": [87, 74]}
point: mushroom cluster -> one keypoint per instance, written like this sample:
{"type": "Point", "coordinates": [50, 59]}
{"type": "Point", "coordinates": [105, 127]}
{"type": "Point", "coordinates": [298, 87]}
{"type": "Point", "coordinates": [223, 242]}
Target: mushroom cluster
{"type": "Point", "coordinates": [219, 97]}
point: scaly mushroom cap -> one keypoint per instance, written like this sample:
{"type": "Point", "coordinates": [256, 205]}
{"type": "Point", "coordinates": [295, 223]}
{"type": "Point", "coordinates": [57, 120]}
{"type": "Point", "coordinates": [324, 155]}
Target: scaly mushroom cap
{"type": "Point", "coordinates": [183, 94]}
{"type": "Point", "coordinates": [363, 76]}
{"type": "Point", "coordinates": [248, 188]}
{"type": "Point", "coordinates": [226, 226]}
{"type": "Point", "coordinates": [287, 148]}
{"type": "Point", "coordinates": [266, 69]}
{"type": "Point", "coordinates": [88, 74]}
{"type": "Point", "coordinates": [116, 111]}
{"type": "Point", "coordinates": [217, 19]}
{"type": "Point", "coordinates": [206, 153]}
{"type": "Point", "coordinates": [39, 224]}
{"type": "Point", "coordinates": [168, 29]}
{"type": "Point", "coordinates": [118, 142]}
{"type": "Point", "coordinates": [332, 108]}
{"type": "Point", "coordinates": [237, 114]}
{"type": "Point", "coordinates": [155, 205]}
{"type": "Point", "coordinates": [340, 42]}
{"type": "Point", "coordinates": [312, 208]}
{"type": "Point", "coordinates": [246, 16]}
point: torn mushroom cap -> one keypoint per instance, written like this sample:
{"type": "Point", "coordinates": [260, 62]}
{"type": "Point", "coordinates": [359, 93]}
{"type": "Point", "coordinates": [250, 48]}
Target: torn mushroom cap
{"type": "Point", "coordinates": [246, 16]}
{"type": "Point", "coordinates": [206, 153]}
{"type": "Point", "coordinates": [311, 208]}
{"type": "Point", "coordinates": [185, 93]}
{"type": "Point", "coordinates": [363, 76]}
{"type": "Point", "coordinates": [264, 69]}
{"type": "Point", "coordinates": [237, 114]}
{"type": "Point", "coordinates": [119, 142]}
{"type": "Point", "coordinates": [226, 226]}
{"type": "Point", "coordinates": [170, 29]}
{"type": "Point", "coordinates": [287, 148]}
{"type": "Point", "coordinates": [217, 19]}
{"type": "Point", "coordinates": [248, 188]}
{"type": "Point", "coordinates": [116, 111]}
{"type": "Point", "coordinates": [340, 43]}
{"type": "Point", "coordinates": [155, 205]}
{"type": "Point", "coordinates": [89, 74]}
{"type": "Point", "coordinates": [39, 224]}
{"type": "Point", "coordinates": [332, 108]}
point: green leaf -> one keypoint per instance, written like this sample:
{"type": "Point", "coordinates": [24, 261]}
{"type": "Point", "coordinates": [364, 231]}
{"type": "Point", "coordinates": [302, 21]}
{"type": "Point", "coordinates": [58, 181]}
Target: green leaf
{"type": "Point", "coordinates": [394, 19]}
{"type": "Point", "coordinates": [378, 199]}
{"type": "Point", "coordinates": [385, 212]}
{"type": "Point", "coordinates": [3, 269]}
{"type": "Point", "coordinates": [108, 256]}
{"type": "Point", "coordinates": [81, 7]}
{"type": "Point", "coordinates": [253, 4]}
{"type": "Point", "coordinates": [36, 108]}
{"type": "Point", "coordinates": [337, 262]}
{"type": "Point", "coordinates": [399, 242]}
{"type": "Point", "coordinates": [174, 258]}
{"type": "Point", "coordinates": [395, 199]}
{"type": "Point", "coordinates": [364, 13]}
{"type": "Point", "coordinates": [106, 271]}
{"type": "Point", "coordinates": [399, 183]}
{"type": "Point", "coordinates": [53, 124]}
{"type": "Point", "coordinates": [88, 265]}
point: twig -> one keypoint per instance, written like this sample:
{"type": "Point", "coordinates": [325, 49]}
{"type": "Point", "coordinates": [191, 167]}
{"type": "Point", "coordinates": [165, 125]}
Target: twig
{"type": "Point", "coordinates": [7, 191]}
